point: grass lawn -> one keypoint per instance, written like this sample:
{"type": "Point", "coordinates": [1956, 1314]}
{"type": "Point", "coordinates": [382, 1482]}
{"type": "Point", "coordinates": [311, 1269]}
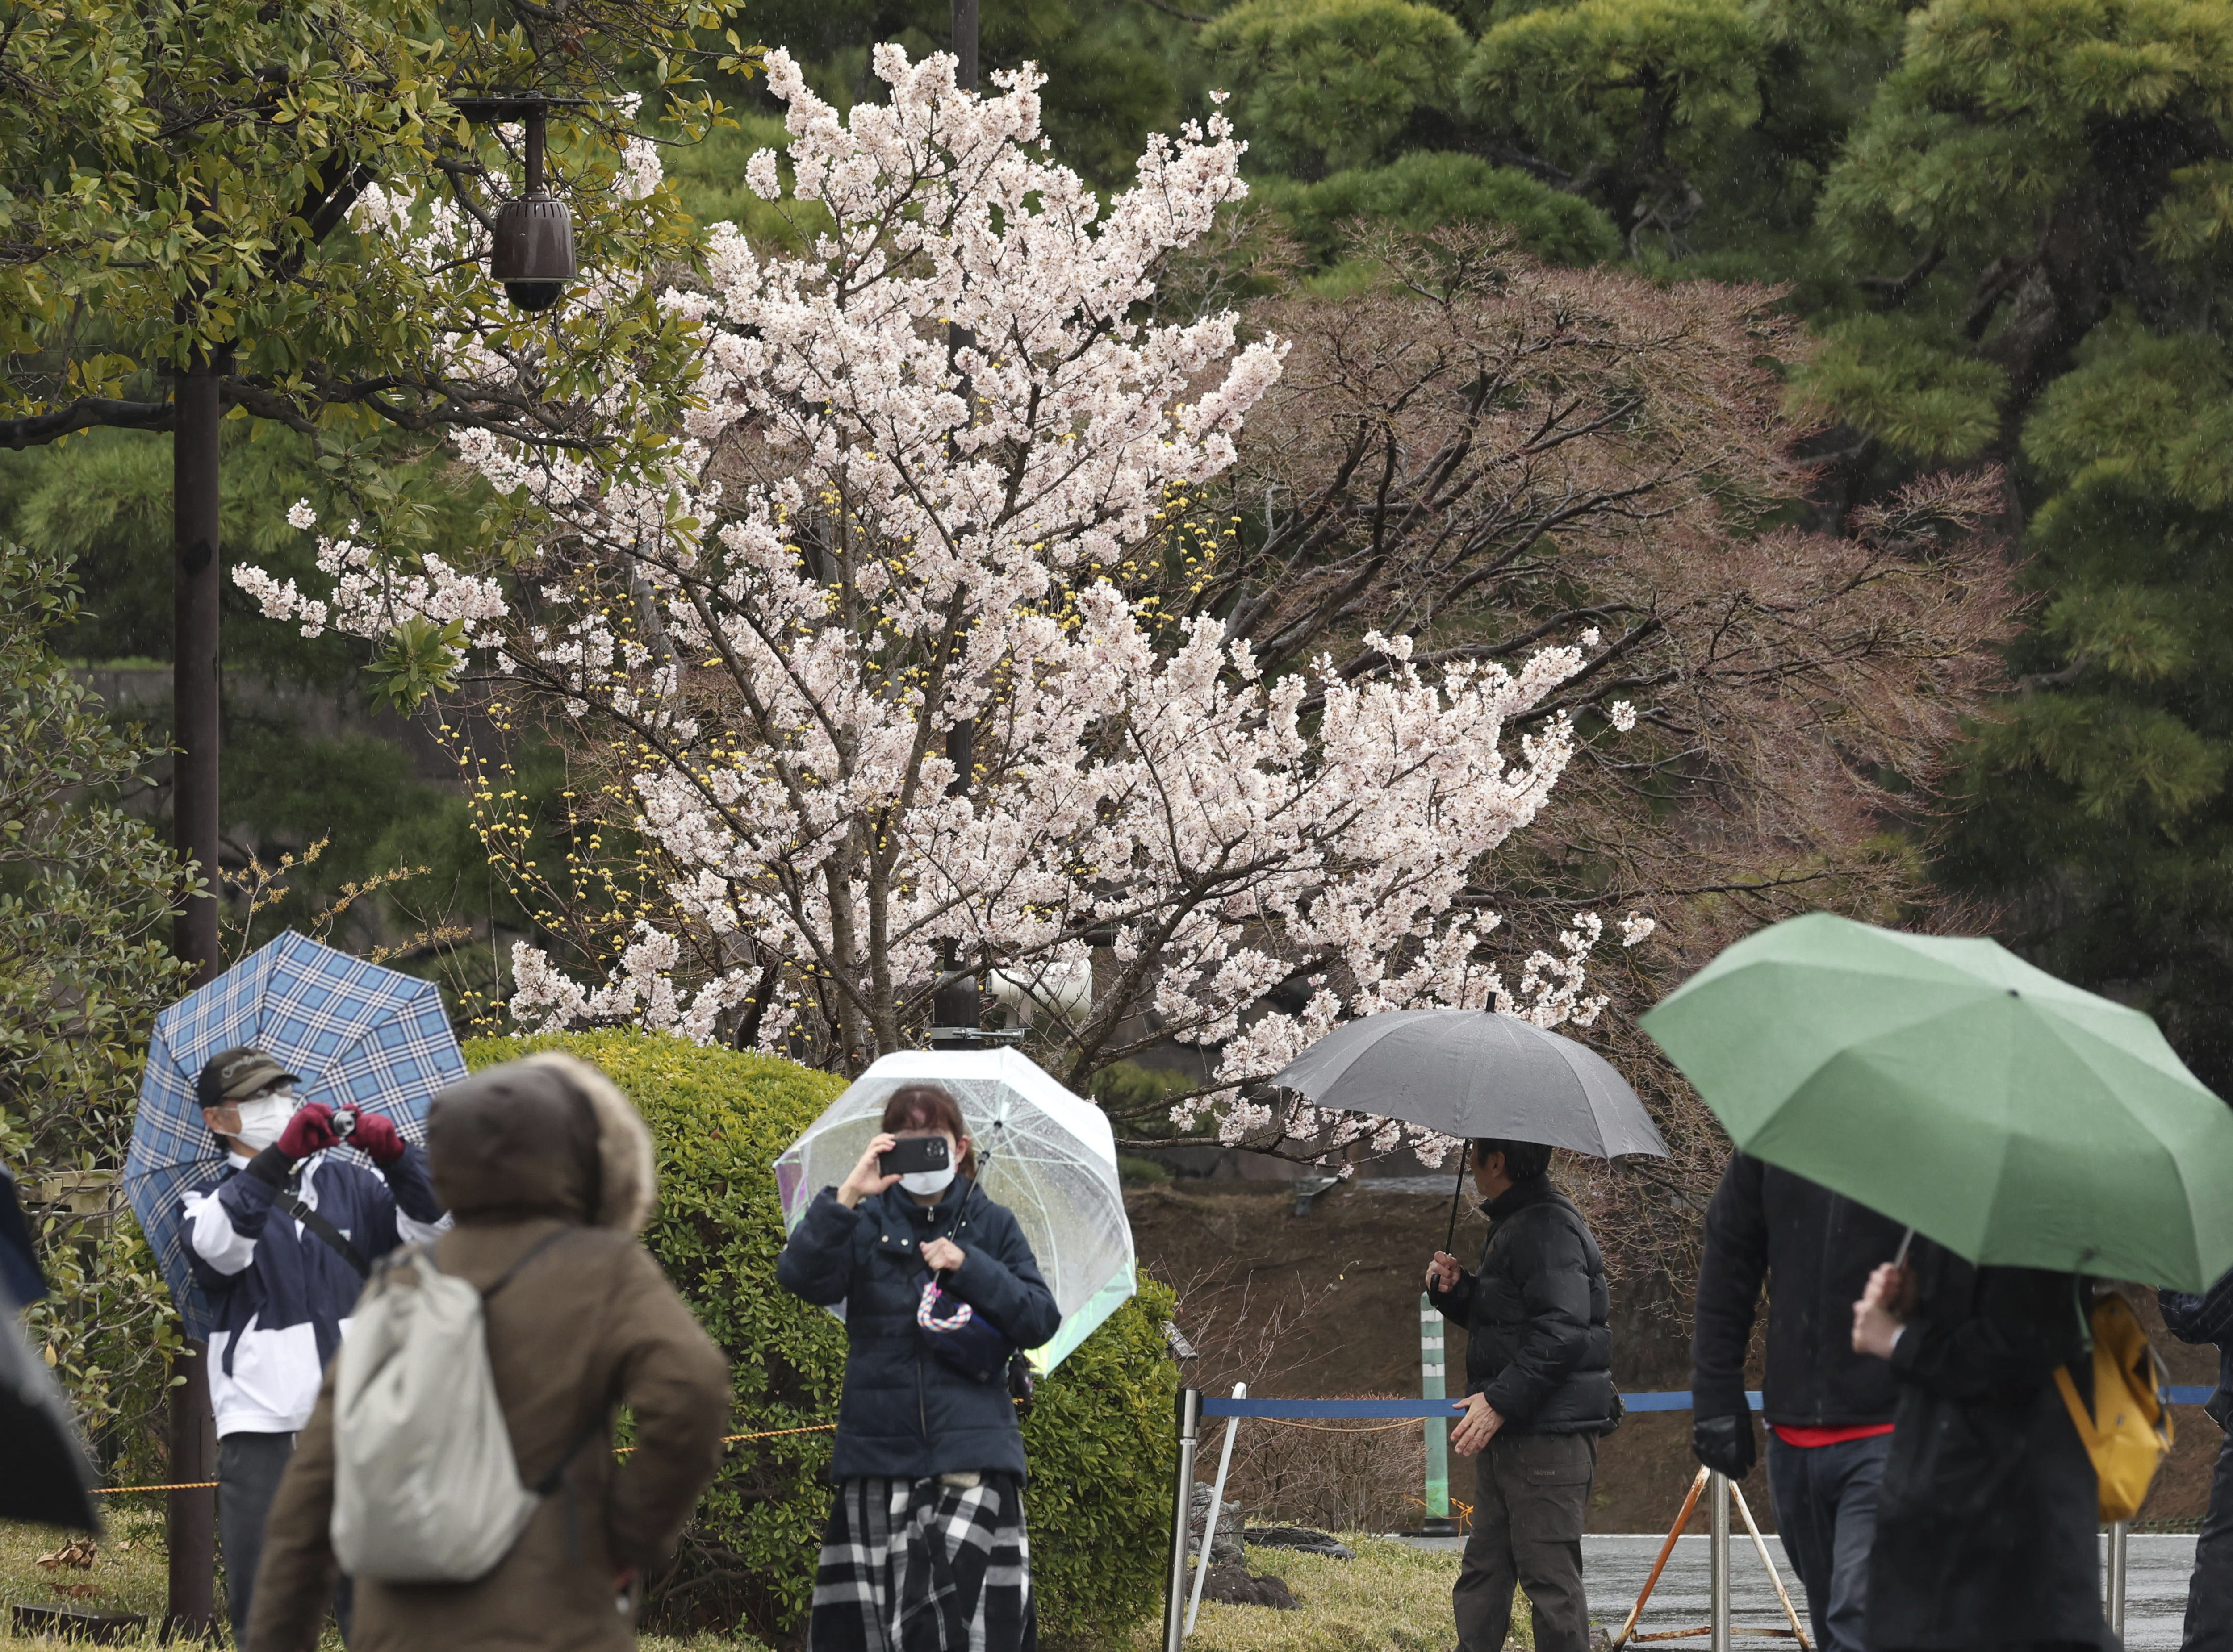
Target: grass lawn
{"type": "Point", "coordinates": [128, 1575]}
{"type": "Point", "coordinates": [1391, 1599]}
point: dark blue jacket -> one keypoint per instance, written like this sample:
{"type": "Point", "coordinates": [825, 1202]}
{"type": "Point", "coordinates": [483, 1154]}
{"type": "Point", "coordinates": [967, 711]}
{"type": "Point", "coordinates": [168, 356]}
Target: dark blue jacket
{"type": "Point", "coordinates": [282, 1293]}
{"type": "Point", "coordinates": [906, 1413]}
{"type": "Point", "coordinates": [2207, 1318]}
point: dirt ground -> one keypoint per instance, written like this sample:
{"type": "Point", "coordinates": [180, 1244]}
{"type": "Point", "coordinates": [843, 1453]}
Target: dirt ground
{"type": "Point", "coordinates": [1326, 1305]}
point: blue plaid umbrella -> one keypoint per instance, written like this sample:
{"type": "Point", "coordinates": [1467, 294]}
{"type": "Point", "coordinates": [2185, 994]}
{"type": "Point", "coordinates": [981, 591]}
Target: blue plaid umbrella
{"type": "Point", "coordinates": [361, 1037]}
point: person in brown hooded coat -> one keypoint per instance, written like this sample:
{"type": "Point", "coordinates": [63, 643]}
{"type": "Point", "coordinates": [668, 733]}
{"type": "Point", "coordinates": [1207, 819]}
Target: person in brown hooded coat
{"type": "Point", "coordinates": [518, 1153]}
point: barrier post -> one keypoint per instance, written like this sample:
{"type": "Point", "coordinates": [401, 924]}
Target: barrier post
{"type": "Point", "coordinates": [1216, 1502]}
{"type": "Point", "coordinates": [2119, 1530]}
{"type": "Point", "coordinates": [1189, 1410]}
{"type": "Point", "coordinates": [1438, 1522]}
{"type": "Point", "coordinates": [1718, 1511]}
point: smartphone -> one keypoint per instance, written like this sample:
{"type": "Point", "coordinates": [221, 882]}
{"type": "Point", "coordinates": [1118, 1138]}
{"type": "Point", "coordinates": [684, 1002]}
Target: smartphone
{"type": "Point", "coordinates": [914, 1152]}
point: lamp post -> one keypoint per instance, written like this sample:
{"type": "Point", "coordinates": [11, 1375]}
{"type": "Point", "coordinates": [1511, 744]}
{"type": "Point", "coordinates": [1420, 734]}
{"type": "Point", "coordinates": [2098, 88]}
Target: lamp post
{"type": "Point", "coordinates": [533, 259]}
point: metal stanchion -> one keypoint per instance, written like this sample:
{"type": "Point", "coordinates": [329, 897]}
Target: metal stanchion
{"type": "Point", "coordinates": [2119, 1530]}
{"type": "Point", "coordinates": [1438, 1522]}
{"type": "Point", "coordinates": [1718, 1510]}
{"type": "Point", "coordinates": [1190, 1406]}
{"type": "Point", "coordinates": [1216, 1502]}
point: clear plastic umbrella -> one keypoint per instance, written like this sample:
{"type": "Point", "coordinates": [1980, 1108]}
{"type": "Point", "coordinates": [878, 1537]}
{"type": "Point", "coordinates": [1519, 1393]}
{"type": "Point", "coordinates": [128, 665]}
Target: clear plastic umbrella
{"type": "Point", "coordinates": [1045, 1153]}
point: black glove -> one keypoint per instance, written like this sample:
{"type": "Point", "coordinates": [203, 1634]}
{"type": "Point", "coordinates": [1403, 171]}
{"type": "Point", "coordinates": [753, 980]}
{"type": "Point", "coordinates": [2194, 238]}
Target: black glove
{"type": "Point", "coordinates": [1724, 1443]}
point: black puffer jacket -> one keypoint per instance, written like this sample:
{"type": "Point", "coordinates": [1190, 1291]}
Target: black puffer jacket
{"type": "Point", "coordinates": [1815, 1250]}
{"type": "Point", "coordinates": [906, 1413]}
{"type": "Point", "coordinates": [1988, 1510]}
{"type": "Point", "coordinates": [1535, 1316]}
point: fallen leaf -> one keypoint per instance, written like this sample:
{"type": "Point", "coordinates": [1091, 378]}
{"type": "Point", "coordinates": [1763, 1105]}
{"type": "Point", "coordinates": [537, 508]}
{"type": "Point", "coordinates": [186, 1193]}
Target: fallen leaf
{"type": "Point", "coordinates": [77, 1554]}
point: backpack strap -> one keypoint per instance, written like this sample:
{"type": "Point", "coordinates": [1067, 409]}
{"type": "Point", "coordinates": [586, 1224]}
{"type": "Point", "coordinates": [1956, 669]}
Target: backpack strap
{"type": "Point", "coordinates": [337, 1241]}
{"type": "Point", "coordinates": [532, 1251]}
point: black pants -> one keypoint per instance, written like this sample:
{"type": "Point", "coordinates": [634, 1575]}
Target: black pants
{"type": "Point", "coordinates": [2209, 1596]}
{"type": "Point", "coordinates": [1532, 1493]}
{"type": "Point", "coordinates": [1826, 1507]}
{"type": "Point", "coordinates": [248, 1470]}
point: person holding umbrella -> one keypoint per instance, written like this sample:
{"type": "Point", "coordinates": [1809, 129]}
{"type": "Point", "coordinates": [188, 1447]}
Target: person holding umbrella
{"type": "Point", "coordinates": [1538, 1352]}
{"type": "Point", "coordinates": [2034, 1136]}
{"type": "Point", "coordinates": [281, 1240]}
{"type": "Point", "coordinates": [1987, 1515]}
{"type": "Point", "coordinates": [941, 1288]}
{"type": "Point", "coordinates": [1538, 1392]}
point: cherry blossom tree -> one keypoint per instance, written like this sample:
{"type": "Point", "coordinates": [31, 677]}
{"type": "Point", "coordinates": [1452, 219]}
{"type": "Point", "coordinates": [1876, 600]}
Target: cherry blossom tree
{"type": "Point", "coordinates": [878, 663]}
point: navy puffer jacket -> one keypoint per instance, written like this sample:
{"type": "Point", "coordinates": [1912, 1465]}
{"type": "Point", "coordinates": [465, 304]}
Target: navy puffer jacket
{"type": "Point", "coordinates": [906, 1413]}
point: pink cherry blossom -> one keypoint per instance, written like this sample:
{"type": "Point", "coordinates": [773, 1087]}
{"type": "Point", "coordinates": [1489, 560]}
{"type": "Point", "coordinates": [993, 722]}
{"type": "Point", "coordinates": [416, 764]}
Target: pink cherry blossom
{"type": "Point", "coordinates": [920, 456]}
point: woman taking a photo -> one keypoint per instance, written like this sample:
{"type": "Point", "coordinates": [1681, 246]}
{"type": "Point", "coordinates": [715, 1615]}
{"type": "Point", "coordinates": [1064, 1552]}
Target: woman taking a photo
{"type": "Point", "coordinates": [925, 1547]}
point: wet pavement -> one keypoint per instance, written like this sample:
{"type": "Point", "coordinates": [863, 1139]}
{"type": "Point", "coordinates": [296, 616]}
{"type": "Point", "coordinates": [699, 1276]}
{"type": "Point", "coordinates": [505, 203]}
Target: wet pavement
{"type": "Point", "coordinates": [1614, 1567]}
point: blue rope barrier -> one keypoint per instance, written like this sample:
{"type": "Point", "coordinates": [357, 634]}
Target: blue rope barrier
{"type": "Point", "coordinates": [1663, 1400]}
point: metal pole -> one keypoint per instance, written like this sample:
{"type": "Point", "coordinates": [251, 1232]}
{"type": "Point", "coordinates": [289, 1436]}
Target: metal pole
{"type": "Point", "coordinates": [1216, 1502]}
{"type": "Point", "coordinates": [1438, 1521]}
{"type": "Point", "coordinates": [1718, 1507]}
{"type": "Point", "coordinates": [1189, 1406]}
{"type": "Point", "coordinates": [191, 1517]}
{"type": "Point", "coordinates": [2119, 1532]}
{"type": "Point", "coordinates": [965, 44]}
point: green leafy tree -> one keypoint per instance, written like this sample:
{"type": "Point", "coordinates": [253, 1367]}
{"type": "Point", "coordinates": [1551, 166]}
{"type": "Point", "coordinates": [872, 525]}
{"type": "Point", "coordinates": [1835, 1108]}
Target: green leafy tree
{"type": "Point", "coordinates": [85, 906]}
{"type": "Point", "coordinates": [1625, 98]}
{"type": "Point", "coordinates": [2041, 187]}
{"type": "Point", "coordinates": [306, 757]}
{"type": "Point", "coordinates": [1320, 85]}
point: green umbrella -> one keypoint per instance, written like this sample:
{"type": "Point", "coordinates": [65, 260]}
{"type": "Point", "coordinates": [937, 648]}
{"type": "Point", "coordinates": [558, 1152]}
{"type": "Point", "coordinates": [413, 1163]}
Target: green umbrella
{"type": "Point", "coordinates": [1946, 1082]}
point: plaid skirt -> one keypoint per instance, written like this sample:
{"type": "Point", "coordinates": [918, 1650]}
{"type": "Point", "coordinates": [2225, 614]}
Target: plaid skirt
{"type": "Point", "coordinates": [922, 1565]}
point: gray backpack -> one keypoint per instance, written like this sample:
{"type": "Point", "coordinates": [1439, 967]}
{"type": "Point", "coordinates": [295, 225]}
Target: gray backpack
{"type": "Point", "coordinates": [425, 1488]}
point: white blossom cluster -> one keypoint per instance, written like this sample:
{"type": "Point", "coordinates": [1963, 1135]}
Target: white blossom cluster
{"type": "Point", "coordinates": [954, 421]}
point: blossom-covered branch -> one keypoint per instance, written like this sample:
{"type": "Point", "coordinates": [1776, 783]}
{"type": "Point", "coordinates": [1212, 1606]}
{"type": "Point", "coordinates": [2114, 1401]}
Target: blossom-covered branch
{"type": "Point", "coordinates": [925, 468]}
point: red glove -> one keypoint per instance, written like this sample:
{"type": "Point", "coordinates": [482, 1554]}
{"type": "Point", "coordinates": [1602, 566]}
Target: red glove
{"type": "Point", "coordinates": [311, 1130]}
{"type": "Point", "coordinates": [377, 1138]}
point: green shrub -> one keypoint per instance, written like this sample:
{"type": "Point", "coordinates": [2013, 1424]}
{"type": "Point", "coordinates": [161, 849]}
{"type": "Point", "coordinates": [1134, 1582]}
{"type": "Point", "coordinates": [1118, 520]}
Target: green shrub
{"type": "Point", "coordinates": [1099, 1440]}
{"type": "Point", "coordinates": [1427, 188]}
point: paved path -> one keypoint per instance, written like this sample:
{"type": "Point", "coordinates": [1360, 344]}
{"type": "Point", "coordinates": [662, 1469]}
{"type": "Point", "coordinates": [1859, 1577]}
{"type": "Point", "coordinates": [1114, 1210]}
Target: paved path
{"type": "Point", "coordinates": [1615, 1568]}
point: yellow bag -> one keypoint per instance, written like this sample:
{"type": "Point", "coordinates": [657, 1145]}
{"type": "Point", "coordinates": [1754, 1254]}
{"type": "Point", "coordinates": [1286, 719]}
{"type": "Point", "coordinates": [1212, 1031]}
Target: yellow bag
{"type": "Point", "coordinates": [2129, 1433]}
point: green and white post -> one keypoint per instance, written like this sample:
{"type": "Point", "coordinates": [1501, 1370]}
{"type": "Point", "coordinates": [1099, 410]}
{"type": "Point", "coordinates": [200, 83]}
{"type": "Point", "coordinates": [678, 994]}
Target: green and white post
{"type": "Point", "coordinates": [1438, 1523]}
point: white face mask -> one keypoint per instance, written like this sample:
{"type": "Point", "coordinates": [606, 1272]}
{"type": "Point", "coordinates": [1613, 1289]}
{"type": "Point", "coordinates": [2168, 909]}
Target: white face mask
{"type": "Point", "coordinates": [262, 1118]}
{"type": "Point", "coordinates": [927, 1182]}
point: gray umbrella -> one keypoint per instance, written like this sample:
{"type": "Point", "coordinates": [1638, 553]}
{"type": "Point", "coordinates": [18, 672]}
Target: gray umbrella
{"type": "Point", "coordinates": [1470, 1073]}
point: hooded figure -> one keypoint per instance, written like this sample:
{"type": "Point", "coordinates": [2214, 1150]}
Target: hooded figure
{"type": "Point", "coordinates": [518, 1153]}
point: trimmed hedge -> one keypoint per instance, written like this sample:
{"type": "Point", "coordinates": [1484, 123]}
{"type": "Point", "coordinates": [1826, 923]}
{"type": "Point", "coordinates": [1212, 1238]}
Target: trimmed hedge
{"type": "Point", "coordinates": [1099, 1440]}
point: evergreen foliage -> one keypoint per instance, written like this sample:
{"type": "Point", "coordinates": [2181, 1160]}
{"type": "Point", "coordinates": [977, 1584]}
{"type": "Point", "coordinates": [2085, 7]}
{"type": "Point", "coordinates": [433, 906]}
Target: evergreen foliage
{"type": "Point", "coordinates": [304, 759]}
{"type": "Point", "coordinates": [1099, 1440]}
{"type": "Point", "coordinates": [1426, 189]}
{"type": "Point", "coordinates": [1626, 97]}
{"type": "Point", "coordinates": [1321, 85]}
{"type": "Point", "coordinates": [85, 908]}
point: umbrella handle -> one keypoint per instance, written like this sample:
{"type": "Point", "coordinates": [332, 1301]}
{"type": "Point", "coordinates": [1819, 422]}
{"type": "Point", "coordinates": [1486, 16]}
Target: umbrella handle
{"type": "Point", "coordinates": [1906, 1239]}
{"type": "Point", "coordinates": [1457, 1193]}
